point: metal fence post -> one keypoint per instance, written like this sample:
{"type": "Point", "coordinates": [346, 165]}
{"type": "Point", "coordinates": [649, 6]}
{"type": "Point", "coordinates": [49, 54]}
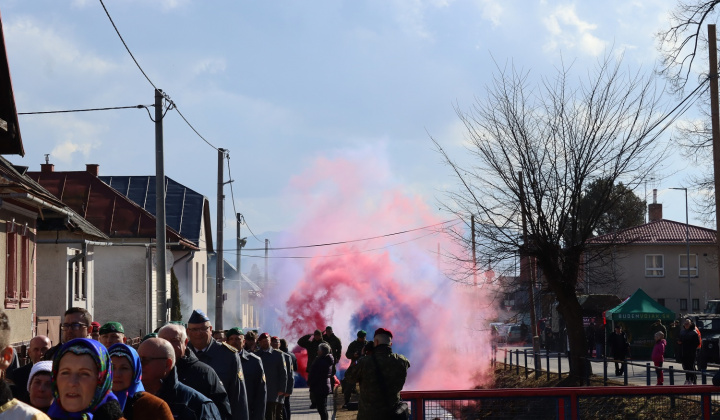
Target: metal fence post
{"type": "Point", "coordinates": [672, 376]}
{"type": "Point", "coordinates": [588, 368]}
{"type": "Point", "coordinates": [704, 377]}
{"type": "Point", "coordinates": [510, 365]}
{"type": "Point", "coordinates": [537, 362]}
{"type": "Point", "coordinates": [559, 365]}
{"type": "Point", "coordinates": [547, 364]}
{"type": "Point", "coordinates": [517, 362]}
{"type": "Point", "coordinates": [605, 378]}
{"type": "Point", "coordinates": [625, 372]}
{"type": "Point", "coordinates": [648, 373]}
{"type": "Point", "coordinates": [526, 369]}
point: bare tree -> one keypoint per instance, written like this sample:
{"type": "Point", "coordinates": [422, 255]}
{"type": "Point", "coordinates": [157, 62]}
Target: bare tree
{"type": "Point", "coordinates": [560, 134]}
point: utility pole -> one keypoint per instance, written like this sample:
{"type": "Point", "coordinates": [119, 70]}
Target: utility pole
{"type": "Point", "coordinates": [160, 226]}
{"type": "Point", "coordinates": [267, 245]}
{"type": "Point", "coordinates": [240, 243]}
{"type": "Point", "coordinates": [219, 261]}
{"type": "Point", "coordinates": [715, 119]}
{"type": "Point", "coordinates": [525, 272]}
{"type": "Point", "coordinates": [472, 229]}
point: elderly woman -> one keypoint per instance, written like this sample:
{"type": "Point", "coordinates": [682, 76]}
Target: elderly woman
{"type": "Point", "coordinates": [39, 385]}
{"type": "Point", "coordinates": [319, 378]}
{"type": "Point", "coordinates": [82, 378]}
{"type": "Point", "coordinates": [128, 388]}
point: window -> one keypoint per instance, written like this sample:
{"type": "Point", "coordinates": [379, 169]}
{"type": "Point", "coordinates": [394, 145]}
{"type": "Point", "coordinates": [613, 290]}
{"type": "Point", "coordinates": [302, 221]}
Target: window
{"type": "Point", "coordinates": [76, 273]}
{"type": "Point", "coordinates": [695, 305]}
{"type": "Point", "coordinates": [17, 267]}
{"type": "Point", "coordinates": [683, 304]}
{"type": "Point", "coordinates": [661, 301]}
{"type": "Point", "coordinates": [684, 266]}
{"type": "Point", "coordinates": [654, 265]}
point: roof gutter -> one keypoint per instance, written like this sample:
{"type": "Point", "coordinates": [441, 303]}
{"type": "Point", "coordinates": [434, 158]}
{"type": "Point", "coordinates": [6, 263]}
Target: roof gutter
{"type": "Point", "coordinates": [97, 243]}
{"type": "Point", "coordinates": [39, 201]}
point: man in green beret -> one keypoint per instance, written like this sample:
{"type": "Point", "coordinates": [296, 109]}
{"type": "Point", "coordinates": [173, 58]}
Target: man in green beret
{"type": "Point", "coordinates": [112, 333]}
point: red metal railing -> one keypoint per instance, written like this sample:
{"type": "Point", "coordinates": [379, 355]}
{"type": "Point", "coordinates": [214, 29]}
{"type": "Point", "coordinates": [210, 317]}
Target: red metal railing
{"type": "Point", "coordinates": [565, 403]}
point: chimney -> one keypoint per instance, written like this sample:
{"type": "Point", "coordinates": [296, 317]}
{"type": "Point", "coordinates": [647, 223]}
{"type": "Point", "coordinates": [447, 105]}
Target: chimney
{"type": "Point", "coordinates": [93, 168]}
{"type": "Point", "coordinates": [46, 168]}
{"type": "Point", "coordinates": [655, 209]}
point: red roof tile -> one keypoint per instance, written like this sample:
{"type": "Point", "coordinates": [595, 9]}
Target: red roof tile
{"type": "Point", "coordinates": [658, 232]}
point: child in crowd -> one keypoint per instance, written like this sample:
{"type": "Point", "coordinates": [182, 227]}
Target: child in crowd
{"type": "Point", "coordinates": [658, 355]}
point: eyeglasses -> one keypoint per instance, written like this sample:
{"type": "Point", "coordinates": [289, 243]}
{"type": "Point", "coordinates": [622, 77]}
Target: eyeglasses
{"type": "Point", "coordinates": [198, 329]}
{"type": "Point", "coordinates": [75, 326]}
{"type": "Point", "coordinates": [147, 360]}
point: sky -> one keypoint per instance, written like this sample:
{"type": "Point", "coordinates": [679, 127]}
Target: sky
{"type": "Point", "coordinates": [282, 85]}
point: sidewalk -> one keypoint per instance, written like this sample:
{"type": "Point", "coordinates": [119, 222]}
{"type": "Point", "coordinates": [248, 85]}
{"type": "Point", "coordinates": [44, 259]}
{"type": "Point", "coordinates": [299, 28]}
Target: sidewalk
{"type": "Point", "coordinates": [300, 403]}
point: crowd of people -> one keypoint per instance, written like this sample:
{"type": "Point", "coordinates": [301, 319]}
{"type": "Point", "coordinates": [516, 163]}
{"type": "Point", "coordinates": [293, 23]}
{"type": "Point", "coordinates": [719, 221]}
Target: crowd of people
{"type": "Point", "coordinates": [189, 372]}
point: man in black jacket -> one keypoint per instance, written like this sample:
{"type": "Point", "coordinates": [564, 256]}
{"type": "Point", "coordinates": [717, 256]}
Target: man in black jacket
{"type": "Point", "coordinates": [254, 374]}
{"type": "Point", "coordinates": [37, 348]}
{"type": "Point", "coordinates": [194, 373]}
{"type": "Point", "coordinates": [160, 379]}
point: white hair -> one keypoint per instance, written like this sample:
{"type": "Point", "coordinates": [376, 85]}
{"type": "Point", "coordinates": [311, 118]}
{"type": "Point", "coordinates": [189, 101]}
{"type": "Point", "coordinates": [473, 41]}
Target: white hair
{"type": "Point", "coordinates": [174, 327]}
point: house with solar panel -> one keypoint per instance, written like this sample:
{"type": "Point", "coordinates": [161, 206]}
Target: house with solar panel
{"type": "Point", "coordinates": [187, 212]}
{"type": "Point", "coordinates": [124, 267]}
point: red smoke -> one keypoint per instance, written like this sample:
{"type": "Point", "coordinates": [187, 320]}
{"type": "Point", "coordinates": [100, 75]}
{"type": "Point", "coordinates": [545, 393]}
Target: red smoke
{"type": "Point", "coordinates": [439, 325]}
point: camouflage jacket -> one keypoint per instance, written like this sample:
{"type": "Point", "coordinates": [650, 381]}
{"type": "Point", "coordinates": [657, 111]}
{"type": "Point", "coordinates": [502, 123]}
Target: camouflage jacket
{"type": "Point", "coordinates": [374, 403]}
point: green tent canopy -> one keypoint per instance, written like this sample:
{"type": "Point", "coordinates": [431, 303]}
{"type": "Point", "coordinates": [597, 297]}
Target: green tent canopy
{"type": "Point", "coordinates": [639, 307]}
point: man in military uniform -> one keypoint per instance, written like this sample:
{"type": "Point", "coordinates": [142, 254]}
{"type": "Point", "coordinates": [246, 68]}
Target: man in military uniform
{"type": "Point", "coordinates": [290, 383]}
{"type": "Point", "coordinates": [381, 376]}
{"type": "Point", "coordinates": [254, 374]}
{"type": "Point", "coordinates": [354, 353]}
{"type": "Point", "coordinates": [275, 375]}
{"type": "Point", "coordinates": [224, 360]}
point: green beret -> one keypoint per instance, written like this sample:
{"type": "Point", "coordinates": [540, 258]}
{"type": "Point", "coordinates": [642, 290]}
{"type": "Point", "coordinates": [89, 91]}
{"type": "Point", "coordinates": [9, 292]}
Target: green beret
{"type": "Point", "coordinates": [361, 333]}
{"type": "Point", "coordinates": [233, 331]}
{"type": "Point", "coordinates": [112, 327]}
{"type": "Point", "coordinates": [151, 335]}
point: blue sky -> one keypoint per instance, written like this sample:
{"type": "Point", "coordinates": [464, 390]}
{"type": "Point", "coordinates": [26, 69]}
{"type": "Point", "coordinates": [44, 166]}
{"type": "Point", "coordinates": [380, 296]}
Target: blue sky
{"type": "Point", "coordinates": [281, 84]}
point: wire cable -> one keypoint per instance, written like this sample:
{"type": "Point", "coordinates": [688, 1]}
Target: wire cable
{"type": "Point", "coordinates": [84, 110]}
{"type": "Point", "coordinates": [454, 221]}
{"type": "Point", "coordinates": [232, 194]}
{"type": "Point", "coordinates": [193, 128]}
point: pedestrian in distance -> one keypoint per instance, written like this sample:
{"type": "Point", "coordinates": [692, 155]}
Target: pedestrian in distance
{"type": "Point", "coordinates": [689, 342]}
{"type": "Point", "coordinates": [82, 382]}
{"type": "Point", "coordinates": [311, 342]}
{"type": "Point", "coordinates": [320, 379]}
{"type": "Point", "coordinates": [159, 377]}
{"type": "Point", "coordinates": [658, 355]}
{"type": "Point", "coordinates": [619, 346]}
{"type": "Point", "coordinates": [128, 388]}
{"type": "Point", "coordinates": [39, 385]}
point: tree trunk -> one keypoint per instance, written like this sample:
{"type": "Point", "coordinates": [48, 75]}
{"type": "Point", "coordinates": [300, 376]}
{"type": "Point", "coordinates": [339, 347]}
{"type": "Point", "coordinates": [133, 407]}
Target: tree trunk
{"type": "Point", "coordinates": [571, 311]}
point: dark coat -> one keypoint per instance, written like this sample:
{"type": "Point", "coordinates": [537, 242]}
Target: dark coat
{"type": "Point", "coordinates": [225, 361]}
{"type": "Point", "coordinates": [275, 373]}
{"type": "Point", "coordinates": [146, 406]}
{"type": "Point", "coordinates": [20, 377]}
{"type": "Point", "coordinates": [689, 343]}
{"type": "Point", "coordinates": [335, 345]}
{"type": "Point", "coordinates": [255, 383]}
{"type": "Point", "coordinates": [203, 379]}
{"type": "Point", "coordinates": [320, 375]}
{"type": "Point", "coordinates": [186, 403]}
{"type": "Point", "coordinates": [311, 346]}
{"type": "Point", "coordinates": [618, 345]}
{"type": "Point", "coordinates": [381, 377]}
{"type": "Point", "coordinates": [290, 383]}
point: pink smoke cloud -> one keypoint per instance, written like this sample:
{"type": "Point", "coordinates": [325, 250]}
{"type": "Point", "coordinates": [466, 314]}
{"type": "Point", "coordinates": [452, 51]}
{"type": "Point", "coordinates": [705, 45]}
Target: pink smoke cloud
{"type": "Point", "coordinates": [440, 325]}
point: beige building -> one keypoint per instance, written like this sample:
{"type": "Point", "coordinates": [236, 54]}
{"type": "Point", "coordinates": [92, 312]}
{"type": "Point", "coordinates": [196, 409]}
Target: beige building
{"type": "Point", "coordinates": [654, 257]}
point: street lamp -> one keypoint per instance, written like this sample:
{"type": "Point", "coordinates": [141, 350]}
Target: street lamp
{"type": "Point", "coordinates": [687, 243]}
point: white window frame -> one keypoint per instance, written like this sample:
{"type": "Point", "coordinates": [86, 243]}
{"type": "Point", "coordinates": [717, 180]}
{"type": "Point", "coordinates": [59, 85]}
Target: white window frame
{"type": "Point", "coordinates": [682, 270]}
{"type": "Point", "coordinates": [650, 270]}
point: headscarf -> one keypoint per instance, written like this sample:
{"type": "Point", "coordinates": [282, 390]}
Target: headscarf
{"type": "Point", "coordinates": [103, 390]}
{"type": "Point", "coordinates": [123, 350]}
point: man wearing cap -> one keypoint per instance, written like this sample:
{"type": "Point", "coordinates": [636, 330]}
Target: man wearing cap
{"type": "Point", "coordinates": [335, 344]}
{"type": "Point", "coordinates": [381, 376]}
{"type": "Point", "coordinates": [311, 344]}
{"type": "Point", "coordinates": [354, 353]}
{"type": "Point", "coordinates": [254, 374]}
{"type": "Point", "coordinates": [224, 360]}
{"type": "Point", "coordinates": [194, 373]}
{"type": "Point", "coordinates": [112, 333]}
{"type": "Point", "coordinates": [275, 376]}
{"type": "Point", "coordinates": [95, 330]}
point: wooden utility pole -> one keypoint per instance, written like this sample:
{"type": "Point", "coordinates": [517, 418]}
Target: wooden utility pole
{"type": "Point", "coordinates": [219, 261]}
{"type": "Point", "coordinates": [715, 119]}
{"type": "Point", "coordinates": [525, 271]}
{"type": "Point", "coordinates": [472, 229]}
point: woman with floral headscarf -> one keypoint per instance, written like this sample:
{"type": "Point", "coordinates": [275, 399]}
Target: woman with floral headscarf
{"type": "Point", "coordinates": [128, 388]}
{"type": "Point", "coordinates": [82, 378]}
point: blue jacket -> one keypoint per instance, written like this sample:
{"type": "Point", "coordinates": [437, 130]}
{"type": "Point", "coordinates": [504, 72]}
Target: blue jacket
{"type": "Point", "coordinates": [186, 403]}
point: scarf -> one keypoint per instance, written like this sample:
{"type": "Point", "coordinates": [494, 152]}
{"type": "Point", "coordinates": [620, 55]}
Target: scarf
{"type": "Point", "coordinates": [103, 393]}
{"type": "Point", "coordinates": [123, 350]}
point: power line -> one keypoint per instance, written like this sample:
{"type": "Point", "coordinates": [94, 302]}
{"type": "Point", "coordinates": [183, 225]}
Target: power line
{"type": "Point", "coordinates": [84, 110]}
{"type": "Point", "coordinates": [167, 98]}
{"type": "Point", "coordinates": [454, 221]}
